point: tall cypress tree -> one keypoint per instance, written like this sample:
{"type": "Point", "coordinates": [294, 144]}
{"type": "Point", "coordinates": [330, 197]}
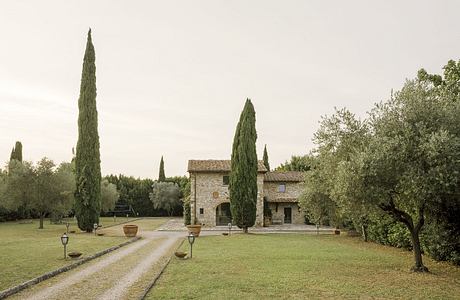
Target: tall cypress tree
{"type": "Point", "coordinates": [16, 153]}
{"type": "Point", "coordinates": [243, 175]}
{"type": "Point", "coordinates": [266, 163]}
{"type": "Point", "coordinates": [161, 176]}
{"type": "Point", "coordinates": [87, 160]}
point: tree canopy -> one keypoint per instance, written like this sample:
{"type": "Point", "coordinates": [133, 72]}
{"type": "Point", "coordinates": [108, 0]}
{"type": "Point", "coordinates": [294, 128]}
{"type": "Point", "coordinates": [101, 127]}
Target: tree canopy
{"type": "Point", "coordinates": [403, 162]}
{"type": "Point", "coordinates": [265, 159]}
{"type": "Point", "coordinates": [87, 160]}
{"type": "Point", "coordinates": [243, 175]}
{"type": "Point", "coordinates": [161, 175]}
{"type": "Point", "coordinates": [165, 195]}
{"type": "Point", "coordinates": [16, 153]}
{"type": "Point", "coordinates": [297, 163]}
{"type": "Point", "coordinates": [109, 195]}
{"type": "Point", "coordinates": [41, 188]}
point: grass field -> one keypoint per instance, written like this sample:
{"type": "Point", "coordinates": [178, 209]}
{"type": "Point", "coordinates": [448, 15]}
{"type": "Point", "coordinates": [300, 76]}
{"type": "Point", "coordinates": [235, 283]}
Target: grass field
{"type": "Point", "coordinates": [27, 252]}
{"type": "Point", "coordinates": [295, 266]}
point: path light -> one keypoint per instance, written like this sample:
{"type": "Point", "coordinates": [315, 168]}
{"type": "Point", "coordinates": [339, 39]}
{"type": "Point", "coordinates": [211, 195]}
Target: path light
{"type": "Point", "coordinates": [67, 224]}
{"type": "Point", "coordinates": [64, 241]}
{"type": "Point", "coordinates": [95, 228]}
{"type": "Point", "coordinates": [127, 217]}
{"type": "Point", "coordinates": [230, 228]}
{"type": "Point", "coordinates": [317, 229]}
{"type": "Point", "coordinates": [114, 217]}
{"type": "Point", "coordinates": [191, 240]}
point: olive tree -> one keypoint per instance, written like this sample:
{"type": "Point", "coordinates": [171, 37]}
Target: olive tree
{"type": "Point", "coordinates": [165, 195]}
{"type": "Point", "coordinates": [42, 187]}
{"type": "Point", "coordinates": [412, 161]}
{"type": "Point", "coordinates": [109, 195]}
{"type": "Point", "coordinates": [339, 137]}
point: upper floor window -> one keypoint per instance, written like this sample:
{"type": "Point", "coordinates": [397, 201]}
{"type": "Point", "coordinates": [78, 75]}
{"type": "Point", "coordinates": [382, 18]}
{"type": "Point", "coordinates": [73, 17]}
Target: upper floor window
{"type": "Point", "coordinates": [282, 188]}
{"type": "Point", "coordinates": [225, 180]}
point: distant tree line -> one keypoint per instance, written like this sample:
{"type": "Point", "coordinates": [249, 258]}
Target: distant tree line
{"type": "Point", "coordinates": [44, 190]}
{"type": "Point", "coordinates": [136, 192]}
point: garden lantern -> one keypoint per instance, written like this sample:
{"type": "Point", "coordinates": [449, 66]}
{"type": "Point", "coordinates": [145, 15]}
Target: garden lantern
{"type": "Point", "coordinates": [64, 241]}
{"type": "Point", "coordinates": [67, 224]}
{"type": "Point", "coordinates": [95, 228]}
{"type": "Point", "coordinates": [114, 218]}
{"type": "Point", "coordinates": [230, 228]}
{"type": "Point", "coordinates": [127, 217]}
{"type": "Point", "coordinates": [191, 240]}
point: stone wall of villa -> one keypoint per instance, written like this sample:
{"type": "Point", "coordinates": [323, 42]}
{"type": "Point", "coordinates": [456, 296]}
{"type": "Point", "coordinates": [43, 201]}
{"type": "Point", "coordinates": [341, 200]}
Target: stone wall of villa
{"type": "Point", "coordinates": [291, 195]}
{"type": "Point", "coordinates": [293, 190]}
{"type": "Point", "coordinates": [208, 191]}
{"type": "Point", "coordinates": [298, 217]}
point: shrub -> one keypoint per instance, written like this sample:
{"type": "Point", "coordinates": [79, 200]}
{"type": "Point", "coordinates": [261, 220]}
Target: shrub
{"type": "Point", "coordinates": [441, 241]}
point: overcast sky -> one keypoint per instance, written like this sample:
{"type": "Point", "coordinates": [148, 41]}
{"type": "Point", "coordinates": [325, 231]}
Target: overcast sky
{"type": "Point", "coordinates": [173, 76]}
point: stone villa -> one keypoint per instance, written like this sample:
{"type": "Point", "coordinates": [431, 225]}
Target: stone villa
{"type": "Point", "coordinates": [209, 199]}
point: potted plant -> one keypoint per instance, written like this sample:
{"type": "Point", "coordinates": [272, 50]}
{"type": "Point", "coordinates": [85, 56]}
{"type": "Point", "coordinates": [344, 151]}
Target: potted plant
{"type": "Point", "coordinates": [130, 230]}
{"type": "Point", "coordinates": [194, 229]}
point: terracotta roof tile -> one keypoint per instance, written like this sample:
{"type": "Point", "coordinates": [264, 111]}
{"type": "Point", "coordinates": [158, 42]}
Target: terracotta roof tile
{"type": "Point", "coordinates": [288, 176]}
{"type": "Point", "coordinates": [213, 165]}
{"type": "Point", "coordinates": [284, 200]}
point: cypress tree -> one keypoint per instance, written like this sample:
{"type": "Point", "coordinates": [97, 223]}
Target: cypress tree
{"type": "Point", "coordinates": [266, 164]}
{"type": "Point", "coordinates": [243, 175]}
{"type": "Point", "coordinates": [161, 176]}
{"type": "Point", "coordinates": [87, 160]}
{"type": "Point", "coordinates": [16, 153]}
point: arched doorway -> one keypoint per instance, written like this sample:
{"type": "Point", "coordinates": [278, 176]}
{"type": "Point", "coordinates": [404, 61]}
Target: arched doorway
{"type": "Point", "coordinates": [223, 214]}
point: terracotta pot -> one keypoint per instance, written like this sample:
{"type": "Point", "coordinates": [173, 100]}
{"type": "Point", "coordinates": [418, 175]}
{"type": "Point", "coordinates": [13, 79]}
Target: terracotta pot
{"type": "Point", "coordinates": [194, 229]}
{"type": "Point", "coordinates": [180, 254]}
{"type": "Point", "coordinates": [130, 230]}
{"type": "Point", "coordinates": [74, 254]}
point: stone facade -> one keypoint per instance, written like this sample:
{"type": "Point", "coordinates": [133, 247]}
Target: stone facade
{"type": "Point", "coordinates": [210, 197]}
{"type": "Point", "coordinates": [208, 191]}
{"type": "Point", "coordinates": [279, 201]}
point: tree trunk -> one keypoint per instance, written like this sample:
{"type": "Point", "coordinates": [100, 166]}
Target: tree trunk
{"type": "Point", "coordinates": [406, 219]}
{"type": "Point", "coordinates": [245, 229]}
{"type": "Point", "coordinates": [42, 217]}
{"type": "Point", "coordinates": [418, 267]}
{"type": "Point", "coordinates": [364, 230]}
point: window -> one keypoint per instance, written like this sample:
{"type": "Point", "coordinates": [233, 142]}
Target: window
{"type": "Point", "coordinates": [225, 180]}
{"type": "Point", "coordinates": [201, 211]}
{"type": "Point", "coordinates": [282, 188]}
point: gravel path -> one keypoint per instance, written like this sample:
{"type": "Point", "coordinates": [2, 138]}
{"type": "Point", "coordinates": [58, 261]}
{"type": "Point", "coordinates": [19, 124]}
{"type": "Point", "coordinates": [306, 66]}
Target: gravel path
{"type": "Point", "coordinates": [51, 291]}
{"type": "Point", "coordinates": [166, 241]}
{"type": "Point", "coordinates": [120, 288]}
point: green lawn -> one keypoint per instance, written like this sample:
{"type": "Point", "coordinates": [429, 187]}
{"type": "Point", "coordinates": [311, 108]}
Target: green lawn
{"type": "Point", "coordinates": [27, 252]}
{"type": "Point", "coordinates": [296, 266]}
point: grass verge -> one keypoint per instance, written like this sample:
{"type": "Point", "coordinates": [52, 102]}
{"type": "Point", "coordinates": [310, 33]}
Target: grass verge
{"type": "Point", "coordinates": [299, 266]}
{"type": "Point", "coordinates": [27, 252]}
